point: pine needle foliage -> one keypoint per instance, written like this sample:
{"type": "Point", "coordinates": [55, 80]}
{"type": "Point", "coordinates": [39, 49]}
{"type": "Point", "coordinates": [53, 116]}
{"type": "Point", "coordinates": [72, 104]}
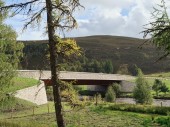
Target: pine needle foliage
{"type": "Point", "coordinates": [142, 91]}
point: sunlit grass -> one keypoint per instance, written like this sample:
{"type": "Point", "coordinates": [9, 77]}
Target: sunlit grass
{"type": "Point", "coordinates": [21, 83]}
{"type": "Point", "coordinates": [89, 116]}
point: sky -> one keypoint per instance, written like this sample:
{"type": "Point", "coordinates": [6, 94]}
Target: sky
{"type": "Point", "coordinates": [99, 17]}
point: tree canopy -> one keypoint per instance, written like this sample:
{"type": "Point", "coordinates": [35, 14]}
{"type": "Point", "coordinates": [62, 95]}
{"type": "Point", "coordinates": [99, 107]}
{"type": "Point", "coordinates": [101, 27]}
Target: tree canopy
{"type": "Point", "coordinates": [159, 29]}
{"type": "Point", "coordinates": [10, 54]}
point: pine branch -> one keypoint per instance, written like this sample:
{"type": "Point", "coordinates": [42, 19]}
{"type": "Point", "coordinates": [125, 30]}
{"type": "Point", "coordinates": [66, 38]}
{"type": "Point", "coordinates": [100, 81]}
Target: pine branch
{"type": "Point", "coordinates": [35, 17]}
{"type": "Point", "coordinates": [19, 5]}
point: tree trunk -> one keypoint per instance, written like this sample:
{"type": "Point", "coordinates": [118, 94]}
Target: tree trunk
{"type": "Point", "coordinates": [53, 63]}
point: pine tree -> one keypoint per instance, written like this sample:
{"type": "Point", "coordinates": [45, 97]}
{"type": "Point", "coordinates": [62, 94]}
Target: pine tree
{"type": "Point", "coordinates": [108, 66]}
{"type": "Point", "coordinates": [142, 90]}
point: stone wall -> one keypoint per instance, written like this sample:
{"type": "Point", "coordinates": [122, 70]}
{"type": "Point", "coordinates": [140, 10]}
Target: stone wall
{"type": "Point", "coordinates": [35, 94]}
{"type": "Point", "coordinates": [127, 86]}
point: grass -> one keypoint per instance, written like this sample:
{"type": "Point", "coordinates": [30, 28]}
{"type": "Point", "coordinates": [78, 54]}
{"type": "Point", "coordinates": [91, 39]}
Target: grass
{"type": "Point", "coordinates": [23, 104]}
{"type": "Point", "coordinates": [15, 104]}
{"type": "Point", "coordinates": [124, 119]}
{"type": "Point", "coordinates": [166, 81]}
{"type": "Point", "coordinates": [151, 80]}
{"type": "Point", "coordinates": [161, 74]}
{"type": "Point", "coordinates": [89, 116]}
{"type": "Point", "coordinates": [21, 83]}
{"type": "Point", "coordinates": [18, 83]}
{"type": "Point", "coordinates": [148, 109]}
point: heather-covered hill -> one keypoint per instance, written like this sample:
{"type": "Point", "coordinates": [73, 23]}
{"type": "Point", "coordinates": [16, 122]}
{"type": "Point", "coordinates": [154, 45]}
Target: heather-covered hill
{"type": "Point", "coordinates": [122, 51]}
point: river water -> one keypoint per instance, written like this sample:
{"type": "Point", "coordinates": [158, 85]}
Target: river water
{"type": "Point", "coordinates": [156, 102]}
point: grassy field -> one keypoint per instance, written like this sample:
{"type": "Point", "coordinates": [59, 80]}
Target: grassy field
{"type": "Point", "coordinates": [18, 84]}
{"type": "Point", "coordinates": [151, 78]}
{"type": "Point", "coordinates": [162, 74]}
{"type": "Point", "coordinates": [164, 77]}
{"type": "Point", "coordinates": [166, 81]}
{"type": "Point", "coordinates": [21, 83]}
{"type": "Point", "coordinates": [89, 116]}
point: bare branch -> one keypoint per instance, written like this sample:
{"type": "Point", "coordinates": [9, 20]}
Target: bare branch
{"type": "Point", "coordinates": [35, 17]}
{"type": "Point", "coordinates": [19, 5]}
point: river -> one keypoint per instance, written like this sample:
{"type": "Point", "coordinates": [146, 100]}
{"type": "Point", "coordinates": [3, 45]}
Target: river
{"type": "Point", "coordinates": [156, 102]}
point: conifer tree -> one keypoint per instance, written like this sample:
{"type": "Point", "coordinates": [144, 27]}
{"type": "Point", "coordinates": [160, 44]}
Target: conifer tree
{"type": "Point", "coordinates": [142, 90]}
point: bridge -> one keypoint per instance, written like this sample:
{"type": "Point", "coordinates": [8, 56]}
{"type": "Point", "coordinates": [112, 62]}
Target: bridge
{"type": "Point", "coordinates": [94, 81]}
{"type": "Point", "coordinates": [87, 78]}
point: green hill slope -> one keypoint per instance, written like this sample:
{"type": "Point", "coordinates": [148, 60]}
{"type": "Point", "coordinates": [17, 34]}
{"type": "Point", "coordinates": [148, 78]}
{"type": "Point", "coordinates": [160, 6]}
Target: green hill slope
{"type": "Point", "coordinates": [121, 50]}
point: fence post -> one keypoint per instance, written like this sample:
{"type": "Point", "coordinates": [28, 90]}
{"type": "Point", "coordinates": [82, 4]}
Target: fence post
{"type": "Point", "coordinates": [33, 111]}
{"type": "Point", "coordinates": [96, 99]}
{"type": "Point", "coordinates": [48, 108]}
{"type": "Point", "coordinates": [12, 112]}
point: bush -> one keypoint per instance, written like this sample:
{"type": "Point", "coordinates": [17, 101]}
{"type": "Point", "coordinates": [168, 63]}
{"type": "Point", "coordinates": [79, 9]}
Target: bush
{"type": "Point", "coordinates": [116, 87]}
{"type": "Point", "coordinates": [163, 121]}
{"type": "Point", "coordinates": [110, 95]}
{"type": "Point", "coordinates": [147, 122]}
{"type": "Point", "coordinates": [142, 90]}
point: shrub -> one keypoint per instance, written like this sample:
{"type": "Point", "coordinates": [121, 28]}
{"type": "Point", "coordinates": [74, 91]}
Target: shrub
{"type": "Point", "coordinates": [116, 87]}
{"type": "Point", "coordinates": [157, 85]}
{"type": "Point", "coordinates": [163, 121]}
{"type": "Point", "coordinates": [110, 95]}
{"type": "Point", "coordinates": [147, 122]}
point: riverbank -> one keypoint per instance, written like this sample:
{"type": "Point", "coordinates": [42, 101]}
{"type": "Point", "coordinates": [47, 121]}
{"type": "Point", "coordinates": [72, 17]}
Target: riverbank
{"type": "Point", "coordinates": [156, 102]}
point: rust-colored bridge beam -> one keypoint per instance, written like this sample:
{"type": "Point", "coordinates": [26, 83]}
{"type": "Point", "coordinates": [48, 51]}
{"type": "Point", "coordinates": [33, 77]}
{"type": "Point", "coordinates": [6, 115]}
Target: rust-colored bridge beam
{"type": "Point", "coordinates": [84, 82]}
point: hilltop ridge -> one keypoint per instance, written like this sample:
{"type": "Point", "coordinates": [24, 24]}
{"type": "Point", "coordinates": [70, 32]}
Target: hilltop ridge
{"type": "Point", "coordinates": [121, 50]}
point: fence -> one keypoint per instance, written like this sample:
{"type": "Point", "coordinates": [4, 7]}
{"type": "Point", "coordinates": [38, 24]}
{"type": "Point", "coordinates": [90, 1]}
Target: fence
{"type": "Point", "coordinates": [13, 112]}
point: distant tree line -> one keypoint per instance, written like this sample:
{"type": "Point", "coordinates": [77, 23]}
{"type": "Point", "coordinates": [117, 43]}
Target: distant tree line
{"type": "Point", "coordinates": [84, 64]}
{"type": "Point", "coordinates": [35, 57]}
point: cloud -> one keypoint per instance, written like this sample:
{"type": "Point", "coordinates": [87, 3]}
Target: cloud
{"type": "Point", "coordinates": [104, 17]}
{"type": "Point", "coordinates": [123, 18]}
{"type": "Point", "coordinates": [32, 35]}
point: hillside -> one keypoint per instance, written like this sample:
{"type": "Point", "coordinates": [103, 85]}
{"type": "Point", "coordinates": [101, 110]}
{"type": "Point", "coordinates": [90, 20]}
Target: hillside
{"type": "Point", "coordinates": [121, 50]}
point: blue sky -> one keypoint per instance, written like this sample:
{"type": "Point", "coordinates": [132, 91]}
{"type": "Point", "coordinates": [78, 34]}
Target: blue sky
{"type": "Point", "coordinates": [100, 17]}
